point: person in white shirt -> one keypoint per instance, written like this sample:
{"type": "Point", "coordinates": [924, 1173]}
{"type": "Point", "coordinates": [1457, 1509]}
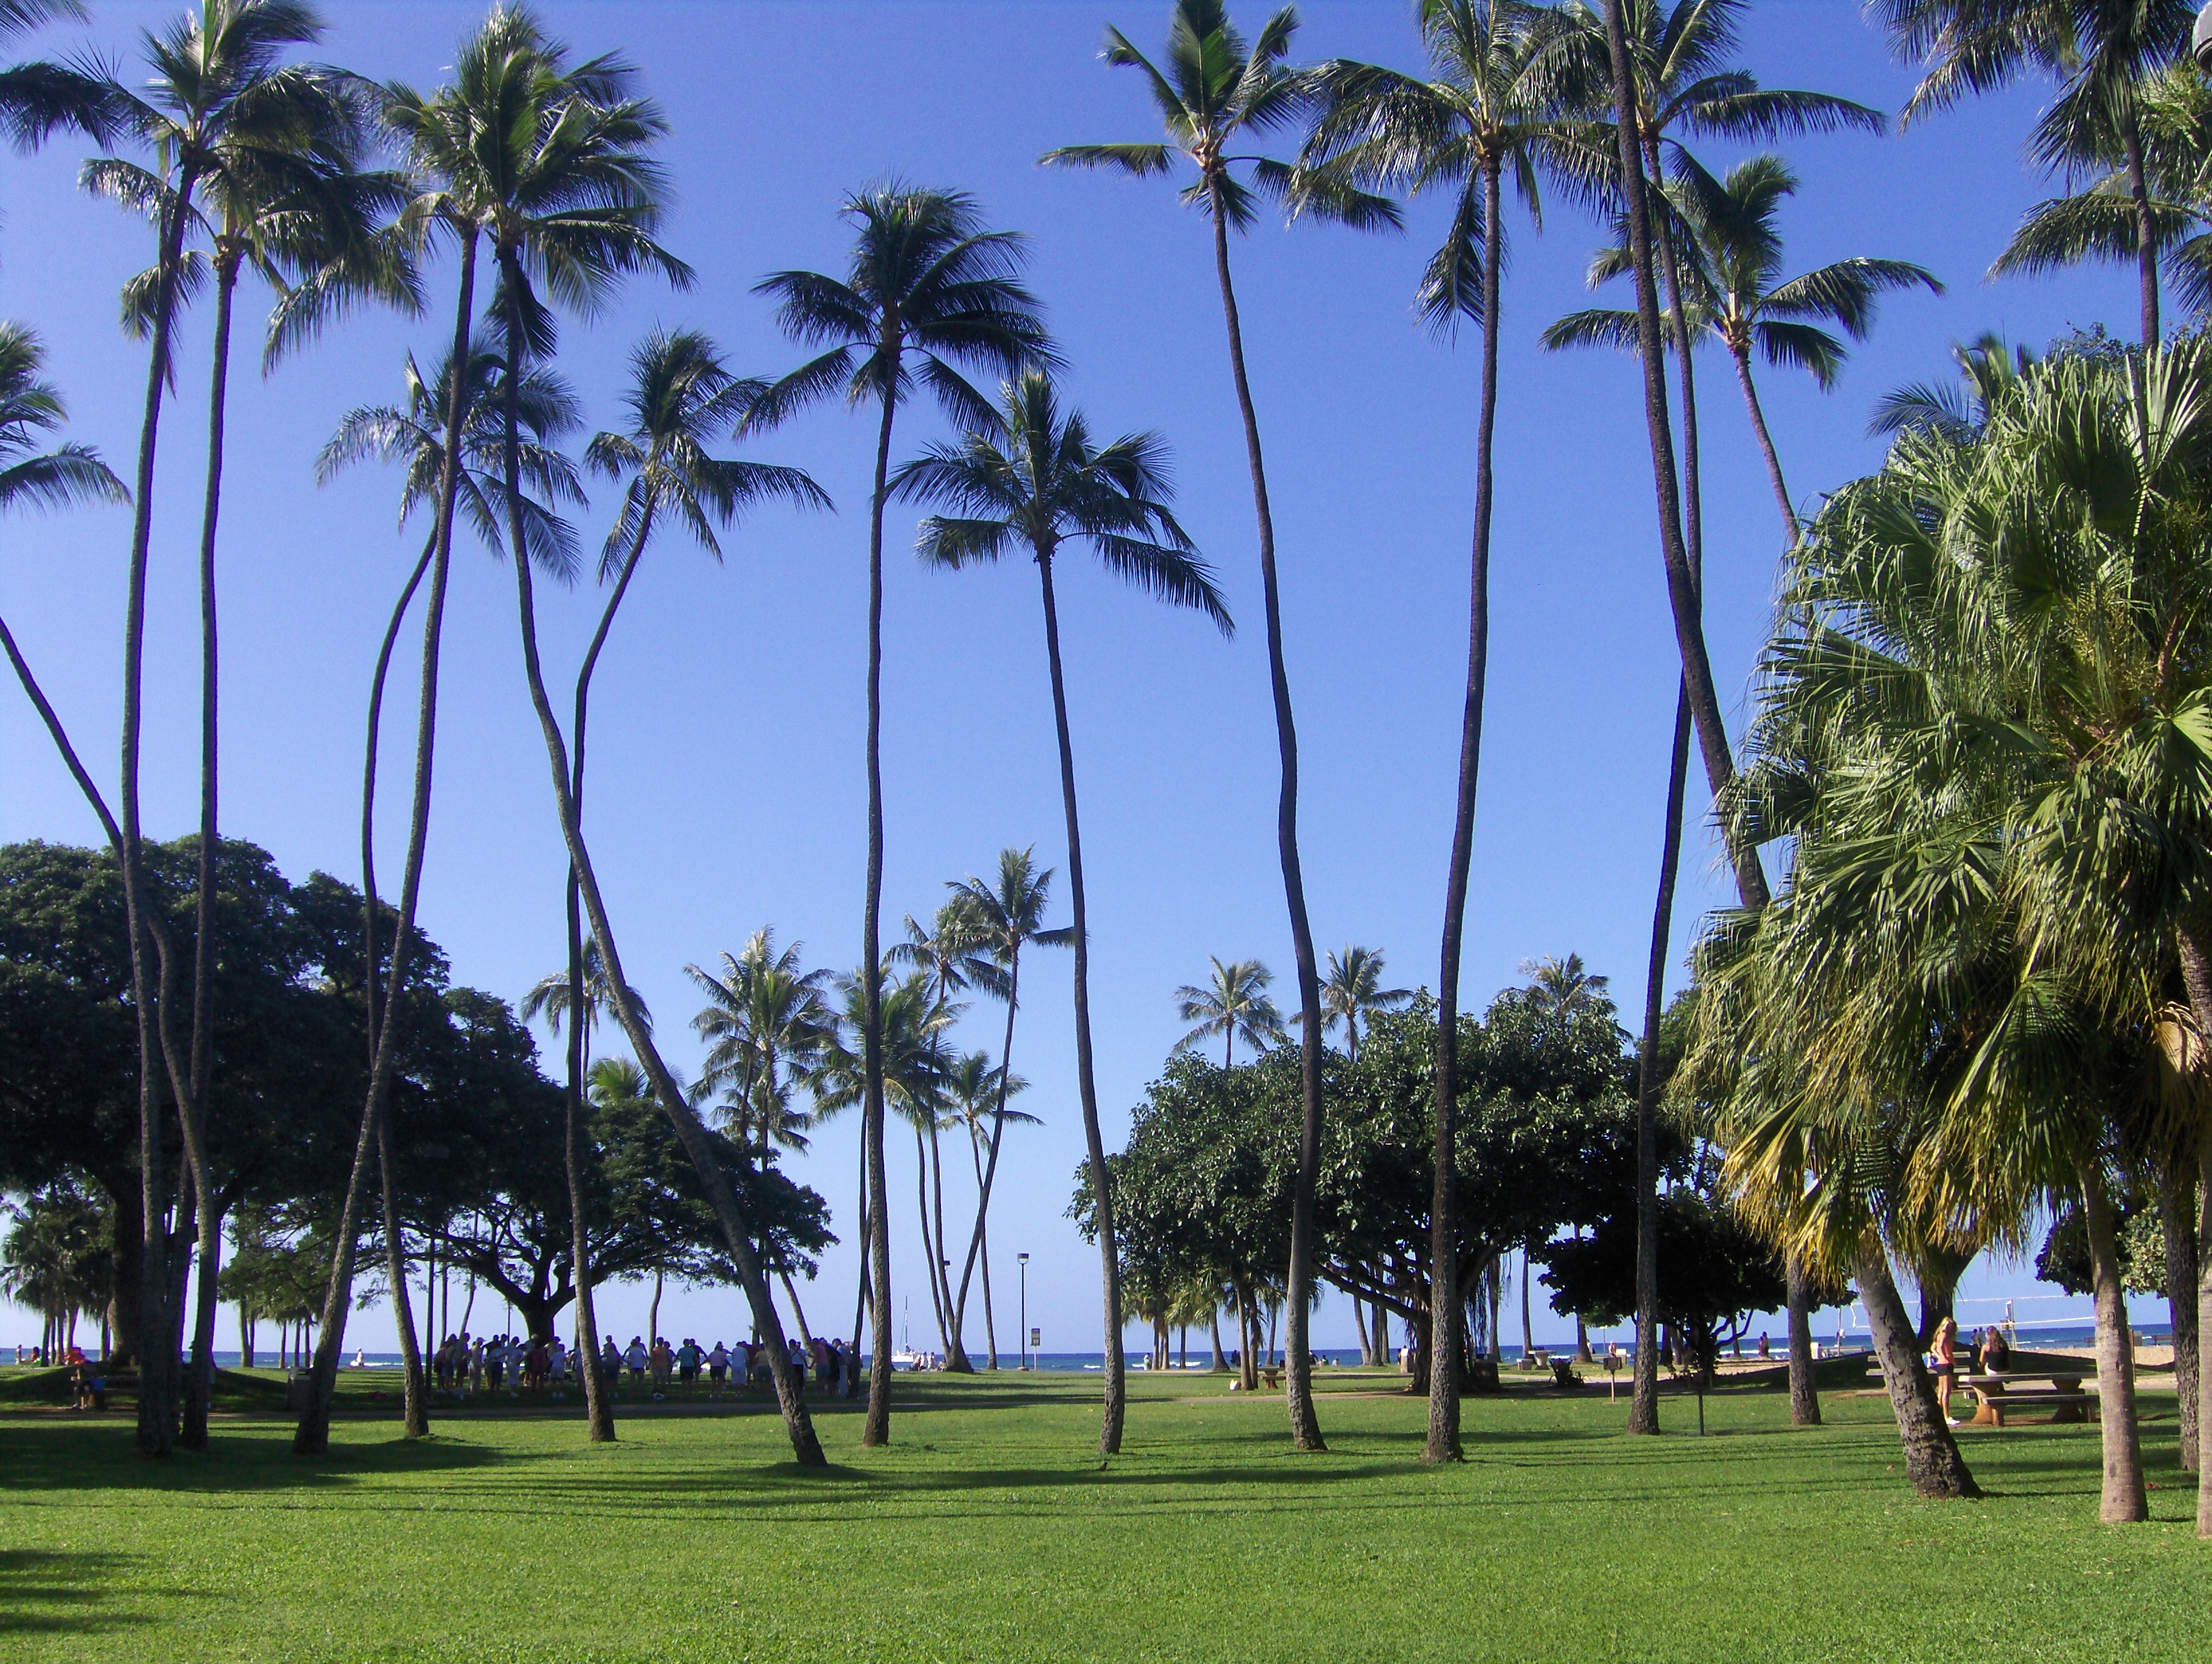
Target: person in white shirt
{"type": "Point", "coordinates": [556, 1362]}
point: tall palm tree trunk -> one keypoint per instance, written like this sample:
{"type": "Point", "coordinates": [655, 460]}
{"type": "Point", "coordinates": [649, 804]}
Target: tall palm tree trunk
{"type": "Point", "coordinates": [1305, 1425]}
{"type": "Point", "coordinates": [876, 1428]}
{"type": "Point", "coordinates": [798, 1312]}
{"type": "Point", "coordinates": [157, 1362]}
{"type": "Point", "coordinates": [1932, 1461]}
{"type": "Point", "coordinates": [1742, 357]}
{"type": "Point", "coordinates": [1681, 582]}
{"type": "Point", "coordinates": [956, 1349]}
{"type": "Point", "coordinates": [2145, 227]}
{"type": "Point", "coordinates": [2196, 957]}
{"type": "Point", "coordinates": [198, 1378]}
{"type": "Point", "coordinates": [2123, 1498]}
{"type": "Point", "coordinates": [976, 1250]}
{"type": "Point", "coordinates": [598, 1405]}
{"type": "Point", "coordinates": [990, 1322]}
{"type": "Point", "coordinates": [2177, 1225]}
{"type": "Point", "coordinates": [312, 1437]}
{"type": "Point", "coordinates": [929, 1240]}
{"type": "Point", "coordinates": [415, 1407]}
{"type": "Point", "coordinates": [805, 1446]}
{"type": "Point", "coordinates": [1116, 1404]}
{"type": "Point", "coordinates": [1443, 1223]}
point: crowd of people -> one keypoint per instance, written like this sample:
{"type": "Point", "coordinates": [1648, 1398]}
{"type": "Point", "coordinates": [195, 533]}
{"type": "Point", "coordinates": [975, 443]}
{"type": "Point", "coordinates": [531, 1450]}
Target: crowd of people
{"type": "Point", "coordinates": [517, 1364]}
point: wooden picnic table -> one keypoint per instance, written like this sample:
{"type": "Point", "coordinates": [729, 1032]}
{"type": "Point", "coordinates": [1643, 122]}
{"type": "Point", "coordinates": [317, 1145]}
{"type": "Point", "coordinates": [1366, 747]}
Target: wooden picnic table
{"type": "Point", "coordinates": [2020, 1392]}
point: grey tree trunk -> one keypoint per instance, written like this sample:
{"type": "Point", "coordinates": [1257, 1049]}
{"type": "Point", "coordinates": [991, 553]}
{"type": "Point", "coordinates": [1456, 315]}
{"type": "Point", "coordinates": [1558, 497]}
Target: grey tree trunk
{"type": "Point", "coordinates": [2197, 977]}
{"type": "Point", "coordinates": [1932, 1461]}
{"type": "Point", "coordinates": [2177, 1222]}
{"type": "Point", "coordinates": [978, 1252]}
{"type": "Point", "coordinates": [1644, 1397]}
{"type": "Point", "coordinates": [877, 1427]}
{"type": "Point", "coordinates": [2121, 1499]}
{"type": "Point", "coordinates": [1804, 1390]}
{"type": "Point", "coordinates": [1306, 1424]}
{"type": "Point", "coordinates": [1109, 1431]}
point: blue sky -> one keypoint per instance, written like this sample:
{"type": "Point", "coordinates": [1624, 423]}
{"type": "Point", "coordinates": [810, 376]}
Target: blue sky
{"type": "Point", "coordinates": [727, 790]}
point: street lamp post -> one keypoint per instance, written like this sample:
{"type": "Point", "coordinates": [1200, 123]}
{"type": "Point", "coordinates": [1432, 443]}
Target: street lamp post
{"type": "Point", "coordinates": [1024, 1259]}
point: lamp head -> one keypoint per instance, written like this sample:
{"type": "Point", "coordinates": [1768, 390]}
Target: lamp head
{"type": "Point", "coordinates": [1023, 1258]}
{"type": "Point", "coordinates": [2200, 44]}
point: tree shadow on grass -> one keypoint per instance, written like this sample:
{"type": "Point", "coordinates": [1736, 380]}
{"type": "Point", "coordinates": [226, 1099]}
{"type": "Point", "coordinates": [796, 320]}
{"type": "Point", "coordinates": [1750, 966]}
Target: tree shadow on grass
{"type": "Point", "coordinates": [100, 1456]}
{"type": "Point", "coordinates": [56, 1592]}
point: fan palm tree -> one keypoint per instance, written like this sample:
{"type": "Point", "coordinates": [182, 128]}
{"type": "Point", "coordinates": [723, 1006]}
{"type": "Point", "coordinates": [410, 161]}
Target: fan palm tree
{"type": "Point", "coordinates": [219, 88]}
{"type": "Point", "coordinates": [1731, 261]}
{"type": "Point", "coordinates": [1216, 94]}
{"type": "Point", "coordinates": [1234, 1002]}
{"type": "Point", "coordinates": [410, 434]}
{"type": "Point", "coordinates": [2104, 52]}
{"type": "Point", "coordinates": [1004, 915]}
{"type": "Point", "coordinates": [1492, 108]}
{"type": "Point", "coordinates": [1353, 993]}
{"type": "Point", "coordinates": [927, 293]}
{"type": "Point", "coordinates": [1033, 480]}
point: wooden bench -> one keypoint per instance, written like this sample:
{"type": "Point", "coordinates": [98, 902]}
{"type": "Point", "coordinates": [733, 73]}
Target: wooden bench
{"type": "Point", "coordinates": [1270, 1376]}
{"type": "Point", "coordinates": [2022, 1393]}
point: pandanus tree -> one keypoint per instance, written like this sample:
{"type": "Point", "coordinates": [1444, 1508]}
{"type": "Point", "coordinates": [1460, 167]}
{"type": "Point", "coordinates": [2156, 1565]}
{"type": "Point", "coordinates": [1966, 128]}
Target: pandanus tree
{"type": "Point", "coordinates": [221, 100]}
{"type": "Point", "coordinates": [679, 398]}
{"type": "Point", "coordinates": [927, 293]}
{"type": "Point", "coordinates": [1490, 108]}
{"type": "Point", "coordinates": [280, 193]}
{"type": "Point", "coordinates": [1728, 249]}
{"type": "Point", "coordinates": [2105, 53]}
{"type": "Point", "coordinates": [1030, 481]}
{"type": "Point", "coordinates": [1004, 915]}
{"type": "Point", "coordinates": [1232, 1001]}
{"type": "Point", "coordinates": [412, 436]}
{"type": "Point", "coordinates": [1217, 94]}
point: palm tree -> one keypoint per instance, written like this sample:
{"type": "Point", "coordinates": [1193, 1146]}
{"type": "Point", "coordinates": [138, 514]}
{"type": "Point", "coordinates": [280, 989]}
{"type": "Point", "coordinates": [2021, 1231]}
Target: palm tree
{"type": "Point", "coordinates": [1033, 480]}
{"type": "Point", "coordinates": [927, 292]}
{"type": "Point", "coordinates": [1353, 993]}
{"type": "Point", "coordinates": [217, 90]}
{"type": "Point", "coordinates": [38, 99]}
{"type": "Point", "coordinates": [1562, 987]}
{"type": "Point", "coordinates": [2103, 51]}
{"type": "Point", "coordinates": [1217, 92]}
{"type": "Point", "coordinates": [1732, 264]}
{"type": "Point", "coordinates": [978, 1093]}
{"type": "Point", "coordinates": [1234, 1002]}
{"type": "Point", "coordinates": [1004, 915]}
{"type": "Point", "coordinates": [764, 1015]}
{"type": "Point", "coordinates": [1987, 373]}
{"type": "Point", "coordinates": [1492, 107]}
{"type": "Point", "coordinates": [468, 401]}
{"type": "Point", "coordinates": [281, 192]}
{"type": "Point", "coordinates": [67, 475]}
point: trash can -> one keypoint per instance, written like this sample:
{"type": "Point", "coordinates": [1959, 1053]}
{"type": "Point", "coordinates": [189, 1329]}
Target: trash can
{"type": "Point", "coordinates": [295, 1388]}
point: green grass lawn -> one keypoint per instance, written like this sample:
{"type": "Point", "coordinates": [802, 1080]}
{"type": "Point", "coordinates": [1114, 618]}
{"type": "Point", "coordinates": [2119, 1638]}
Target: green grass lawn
{"type": "Point", "coordinates": [987, 1529]}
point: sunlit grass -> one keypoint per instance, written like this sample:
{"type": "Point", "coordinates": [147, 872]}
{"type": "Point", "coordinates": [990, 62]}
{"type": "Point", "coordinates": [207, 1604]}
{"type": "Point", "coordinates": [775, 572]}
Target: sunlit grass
{"type": "Point", "coordinates": [990, 1529]}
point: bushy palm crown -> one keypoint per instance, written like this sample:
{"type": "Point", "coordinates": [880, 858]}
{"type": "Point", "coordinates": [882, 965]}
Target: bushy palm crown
{"type": "Point", "coordinates": [30, 409]}
{"type": "Point", "coordinates": [1733, 287]}
{"type": "Point", "coordinates": [1987, 725]}
{"type": "Point", "coordinates": [550, 996]}
{"type": "Point", "coordinates": [1351, 990]}
{"type": "Point", "coordinates": [763, 1014]}
{"type": "Point", "coordinates": [2100, 50]}
{"type": "Point", "coordinates": [263, 159]}
{"type": "Point", "coordinates": [927, 291]}
{"type": "Point", "coordinates": [543, 160]}
{"type": "Point", "coordinates": [1561, 987]}
{"type": "Point", "coordinates": [679, 396]}
{"type": "Point", "coordinates": [411, 433]}
{"type": "Point", "coordinates": [1032, 479]}
{"type": "Point", "coordinates": [952, 951]}
{"type": "Point", "coordinates": [1004, 915]}
{"type": "Point", "coordinates": [1216, 91]}
{"type": "Point", "coordinates": [1234, 1002]}
{"type": "Point", "coordinates": [1495, 97]}
{"type": "Point", "coordinates": [972, 1089]}
{"type": "Point", "coordinates": [1987, 371]}
{"type": "Point", "coordinates": [917, 1057]}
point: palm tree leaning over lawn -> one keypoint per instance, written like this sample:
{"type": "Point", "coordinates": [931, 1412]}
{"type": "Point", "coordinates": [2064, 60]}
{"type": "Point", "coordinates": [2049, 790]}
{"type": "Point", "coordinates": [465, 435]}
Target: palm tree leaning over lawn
{"type": "Point", "coordinates": [927, 291]}
{"type": "Point", "coordinates": [679, 397]}
{"type": "Point", "coordinates": [1235, 1001]}
{"type": "Point", "coordinates": [282, 193]}
{"type": "Point", "coordinates": [1730, 269]}
{"type": "Point", "coordinates": [2104, 52]}
{"type": "Point", "coordinates": [1032, 480]}
{"type": "Point", "coordinates": [1005, 915]}
{"type": "Point", "coordinates": [1493, 109]}
{"type": "Point", "coordinates": [1216, 92]}
{"type": "Point", "coordinates": [566, 196]}
{"type": "Point", "coordinates": [205, 94]}
{"type": "Point", "coordinates": [1352, 992]}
